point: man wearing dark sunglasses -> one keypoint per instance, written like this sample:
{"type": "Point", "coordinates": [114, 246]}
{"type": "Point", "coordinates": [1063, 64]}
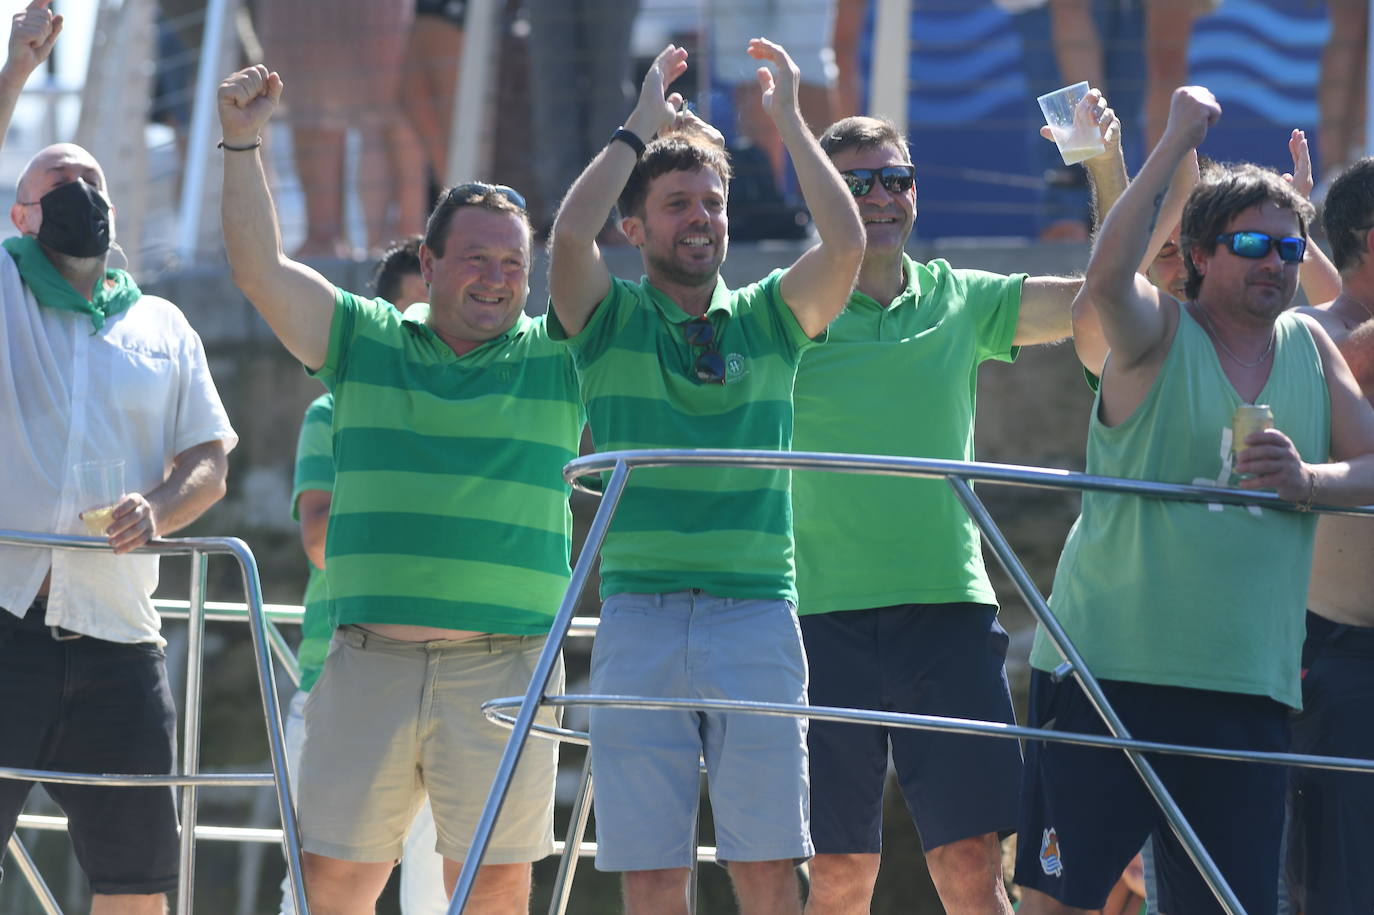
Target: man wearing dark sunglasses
{"type": "Point", "coordinates": [447, 545]}
{"type": "Point", "coordinates": [896, 609]}
{"type": "Point", "coordinates": [697, 576]}
{"type": "Point", "coordinates": [1329, 840]}
{"type": "Point", "coordinates": [1190, 614]}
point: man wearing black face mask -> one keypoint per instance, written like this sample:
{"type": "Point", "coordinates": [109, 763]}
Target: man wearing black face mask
{"type": "Point", "coordinates": [91, 369]}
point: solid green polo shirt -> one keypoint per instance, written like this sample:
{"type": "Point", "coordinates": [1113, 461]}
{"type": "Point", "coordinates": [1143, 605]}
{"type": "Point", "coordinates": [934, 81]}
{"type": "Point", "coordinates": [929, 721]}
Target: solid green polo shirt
{"type": "Point", "coordinates": [900, 381]}
{"type": "Point", "coordinates": [725, 531]}
{"type": "Point", "coordinates": [314, 471]}
{"type": "Point", "coordinates": [449, 503]}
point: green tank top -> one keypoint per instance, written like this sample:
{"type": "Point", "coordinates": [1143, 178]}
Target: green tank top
{"type": "Point", "coordinates": [1185, 593]}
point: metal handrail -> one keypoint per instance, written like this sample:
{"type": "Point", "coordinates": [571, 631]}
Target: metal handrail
{"type": "Point", "coordinates": [958, 474]}
{"type": "Point", "coordinates": [199, 549]}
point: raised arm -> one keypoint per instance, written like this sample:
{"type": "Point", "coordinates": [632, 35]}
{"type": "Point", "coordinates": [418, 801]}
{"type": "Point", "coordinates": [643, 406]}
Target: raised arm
{"type": "Point", "coordinates": [1137, 322]}
{"type": "Point", "coordinates": [817, 286]}
{"type": "Point", "coordinates": [296, 302]}
{"type": "Point", "coordinates": [1047, 314]}
{"type": "Point", "coordinates": [1319, 278]}
{"type": "Point", "coordinates": [578, 278]}
{"type": "Point", "coordinates": [32, 35]}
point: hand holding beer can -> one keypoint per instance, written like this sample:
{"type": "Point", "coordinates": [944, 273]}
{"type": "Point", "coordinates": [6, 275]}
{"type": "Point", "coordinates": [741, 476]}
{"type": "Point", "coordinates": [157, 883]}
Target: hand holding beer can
{"type": "Point", "coordinates": [1249, 418]}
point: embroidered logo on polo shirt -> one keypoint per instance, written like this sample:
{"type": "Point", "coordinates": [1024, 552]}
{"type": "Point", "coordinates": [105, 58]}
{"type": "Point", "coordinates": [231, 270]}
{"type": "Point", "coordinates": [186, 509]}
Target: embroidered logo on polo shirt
{"type": "Point", "coordinates": [1050, 861]}
{"type": "Point", "coordinates": [736, 367]}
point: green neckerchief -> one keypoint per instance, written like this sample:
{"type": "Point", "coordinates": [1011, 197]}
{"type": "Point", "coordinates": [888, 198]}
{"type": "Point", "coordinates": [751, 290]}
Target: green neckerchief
{"type": "Point", "coordinates": [52, 290]}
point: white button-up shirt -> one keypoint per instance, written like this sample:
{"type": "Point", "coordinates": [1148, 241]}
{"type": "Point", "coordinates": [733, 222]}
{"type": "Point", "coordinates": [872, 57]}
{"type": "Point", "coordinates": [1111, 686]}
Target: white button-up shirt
{"type": "Point", "coordinates": [139, 389]}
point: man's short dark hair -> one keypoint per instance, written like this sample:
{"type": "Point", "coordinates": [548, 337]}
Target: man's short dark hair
{"type": "Point", "coordinates": [1348, 213]}
{"type": "Point", "coordinates": [862, 133]}
{"type": "Point", "coordinates": [398, 261]}
{"type": "Point", "coordinates": [674, 152]}
{"type": "Point", "coordinates": [1223, 192]}
{"type": "Point", "coordinates": [476, 194]}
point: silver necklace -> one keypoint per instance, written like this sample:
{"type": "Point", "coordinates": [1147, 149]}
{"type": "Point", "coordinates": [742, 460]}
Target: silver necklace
{"type": "Point", "coordinates": [1212, 331]}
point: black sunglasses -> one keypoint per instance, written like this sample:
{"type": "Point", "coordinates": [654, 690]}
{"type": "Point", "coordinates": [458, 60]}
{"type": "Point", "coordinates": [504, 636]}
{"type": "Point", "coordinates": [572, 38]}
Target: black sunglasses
{"type": "Point", "coordinates": [710, 365]}
{"type": "Point", "coordinates": [1255, 245]}
{"type": "Point", "coordinates": [898, 179]}
{"type": "Point", "coordinates": [458, 191]}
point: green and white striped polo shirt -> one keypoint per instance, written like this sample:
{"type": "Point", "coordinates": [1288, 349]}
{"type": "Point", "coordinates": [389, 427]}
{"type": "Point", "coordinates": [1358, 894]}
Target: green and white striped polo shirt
{"type": "Point", "coordinates": [725, 531]}
{"type": "Point", "coordinates": [449, 503]}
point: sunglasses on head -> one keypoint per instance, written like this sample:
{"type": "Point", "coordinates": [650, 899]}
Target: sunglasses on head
{"type": "Point", "coordinates": [710, 365]}
{"type": "Point", "coordinates": [458, 191]}
{"type": "Point", "coordinates": [898, 179]}
{"type": "Point", "coordinates": [1257, 244]}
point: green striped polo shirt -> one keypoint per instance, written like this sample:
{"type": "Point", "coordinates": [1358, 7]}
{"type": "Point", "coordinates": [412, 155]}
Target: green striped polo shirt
{"type": "Point", "coordinates": [449, 502]}
{"type": "Point", "coordinates": [314, 470]}
{"type": "Point", "coordinates": [725, 531]}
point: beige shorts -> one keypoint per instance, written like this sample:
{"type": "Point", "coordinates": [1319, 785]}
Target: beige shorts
{"type": "Point", "coordinates": [390, 721]}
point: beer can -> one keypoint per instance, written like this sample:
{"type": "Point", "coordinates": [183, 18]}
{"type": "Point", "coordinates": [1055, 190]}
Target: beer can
{"type": "Point", "coordinates": [1249, 418]}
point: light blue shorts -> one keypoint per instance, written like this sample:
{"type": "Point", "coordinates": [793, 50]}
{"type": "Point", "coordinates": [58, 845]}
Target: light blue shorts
{"type": "Point", "coordinates": [645, 764]}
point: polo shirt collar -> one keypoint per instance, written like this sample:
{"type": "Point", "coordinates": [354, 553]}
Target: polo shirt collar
{"type": "Point", "coordinates": [417, 317]}
{"type": "Point", "coordinates": [721, 300]}
{"type": "Point", "coordinates": [919, 281]}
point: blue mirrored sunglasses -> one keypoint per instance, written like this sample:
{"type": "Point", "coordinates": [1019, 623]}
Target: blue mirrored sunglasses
{"type": "Point", "coordinates": [1257, 244]}
{"type": "Point", "coordinates": [898, 179]}
{"type": "Point", "coordinates": [710, 365]}
{"type": "Point", "coordinates": [481, 187]}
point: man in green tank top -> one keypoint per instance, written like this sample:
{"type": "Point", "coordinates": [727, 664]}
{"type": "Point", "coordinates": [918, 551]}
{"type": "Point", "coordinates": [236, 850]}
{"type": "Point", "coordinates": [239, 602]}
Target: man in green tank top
{"type": "Point", "coordinates": [1190, 614]}
{"type": "Point", "coordinates": [447, 546]}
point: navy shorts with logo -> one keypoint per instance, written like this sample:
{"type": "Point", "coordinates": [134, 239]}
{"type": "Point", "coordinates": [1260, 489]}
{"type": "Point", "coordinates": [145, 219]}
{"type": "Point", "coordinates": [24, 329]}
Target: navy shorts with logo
{"type": "Point", "coordinates": [1330, 842]}
{"type": "Point", "coordinates": [1085, 812]}
{"type": "Point", "coordinates": [88, 705]}
{"type": "Point", "coordinates": [930, 659]}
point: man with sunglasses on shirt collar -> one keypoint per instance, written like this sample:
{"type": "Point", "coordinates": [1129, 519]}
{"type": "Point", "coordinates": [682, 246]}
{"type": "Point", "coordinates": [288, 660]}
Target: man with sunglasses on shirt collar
{"type": "Point", "coordinates": [696, 571]}
{"type": "Point", "coordinates": [896, 608]}
{"type": "Point", "coordinates": [446, 552]}
{"type": "Point", "coordinates": [1190, 615]}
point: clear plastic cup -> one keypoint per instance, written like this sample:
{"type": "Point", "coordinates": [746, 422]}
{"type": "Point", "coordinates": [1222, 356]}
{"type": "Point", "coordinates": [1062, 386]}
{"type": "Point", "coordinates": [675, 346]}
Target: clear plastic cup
{"type": "Point", "coordinates": [99, 485]}
{"type": "Point", "coordinates": [1075, 132]}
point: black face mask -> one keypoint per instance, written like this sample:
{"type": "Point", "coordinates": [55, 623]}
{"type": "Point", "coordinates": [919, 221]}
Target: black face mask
{"type": "Point", "coordinates": [76, 220]}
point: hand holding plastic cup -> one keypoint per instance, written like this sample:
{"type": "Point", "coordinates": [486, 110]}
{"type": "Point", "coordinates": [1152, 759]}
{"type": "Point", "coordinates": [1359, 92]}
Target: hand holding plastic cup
{"type": "Point", "coordinates": [99, 486]}
{"type": "Point", "coordinates": [1075, 131]}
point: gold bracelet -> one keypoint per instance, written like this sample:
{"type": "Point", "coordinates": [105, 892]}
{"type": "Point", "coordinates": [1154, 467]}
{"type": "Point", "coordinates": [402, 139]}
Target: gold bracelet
{"type": "Point", "coordinates": [1306, 504]}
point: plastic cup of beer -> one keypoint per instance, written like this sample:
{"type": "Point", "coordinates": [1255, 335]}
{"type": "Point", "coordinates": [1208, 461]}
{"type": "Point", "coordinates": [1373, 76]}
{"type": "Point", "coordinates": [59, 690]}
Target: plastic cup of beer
{"type": "Point", "coordinates": [1075, 131]}
{"type": "Point", "coordinates": [99, 486]}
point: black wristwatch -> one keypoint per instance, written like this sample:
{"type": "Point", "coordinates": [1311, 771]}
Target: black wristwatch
{"type": "Point", "coordinates": [629, 138]}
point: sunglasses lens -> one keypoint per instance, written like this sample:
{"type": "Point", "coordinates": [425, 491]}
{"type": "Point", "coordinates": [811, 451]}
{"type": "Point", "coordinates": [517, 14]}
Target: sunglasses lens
{"type": "Point", "coordinates": [699, 332]}
{"type": "Point", "coordinates": [1291, 249]}
{"type": "Point", "coordinates": [899, 179]}
{"type": "Point", "coordinates": [860, 181]}
{"type": "Point", "coordinates": [1250, 244]}
{"type": "Point", "coordinates": [710, 367]}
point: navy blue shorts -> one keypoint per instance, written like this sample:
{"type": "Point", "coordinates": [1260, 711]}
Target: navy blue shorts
{"type": "Point", "coordinates": [1330, 842]}
{"type": "Point", "coordinates": [1085, 812]}
{"type": "Point", "coordinates": [88, 705]}
{"type": "Point", "coordinates": [929, 659]}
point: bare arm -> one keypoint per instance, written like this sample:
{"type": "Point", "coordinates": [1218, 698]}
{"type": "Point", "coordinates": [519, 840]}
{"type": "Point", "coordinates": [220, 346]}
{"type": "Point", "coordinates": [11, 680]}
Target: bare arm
{"type": "Point", "coordinates": [32, 35]}
{"type": "Point", "coordinates": [1320, 280]}
{"type": "Point", "coordinates": [296, 302]}
{"type": "Point", "coordinates": [817, 286]}
{"type": "Point", "coordinates": [313, 508]}
{"type": "Point", "coordinates": [195, 483]}
{"type": "Point", "coordinates": [1136, 325]}
{"type": "Point", "coordinates": [578, 278]}
{"type": "Point", "coordinates": [1349, 478]}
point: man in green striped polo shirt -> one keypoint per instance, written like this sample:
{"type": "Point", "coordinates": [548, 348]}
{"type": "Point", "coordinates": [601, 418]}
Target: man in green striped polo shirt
{"type": "Point", "coordinates": [697, 570]}
{"type": "Point", "coordinates": [448, 537]}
